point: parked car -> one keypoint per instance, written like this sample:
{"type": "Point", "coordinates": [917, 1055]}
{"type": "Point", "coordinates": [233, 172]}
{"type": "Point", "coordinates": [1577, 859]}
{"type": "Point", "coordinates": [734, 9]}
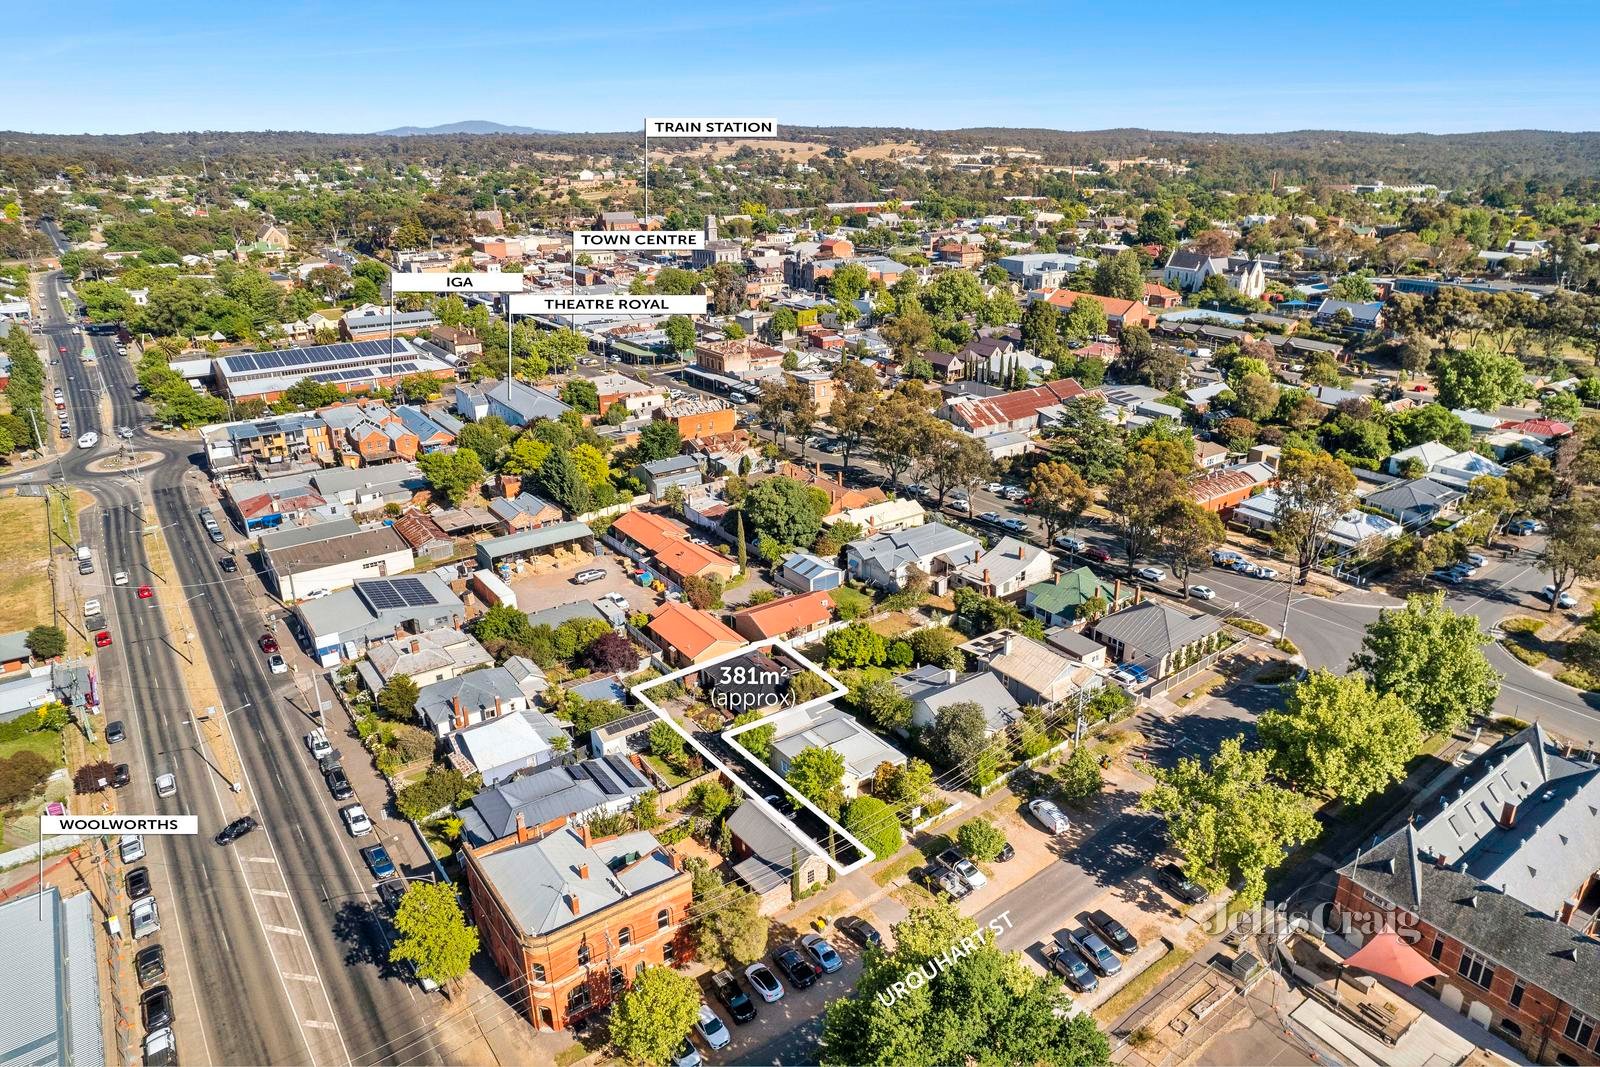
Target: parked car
{"type": "Point", "coordinates": [268, 643]}
{"type": "Point", "coordinates": [138, 883]}
{"type": "Point", "coordinates": [317, 742]}
{"type": "Point", "coordinates": [1015, 525]}
{"type": "Point", "coordinates": [228, 564]}
{"type": "Point", "coordinates": [120, 776]}
{"type": "Point", "coordinates": [949, 881]}
{"type": "Point", "coordinates": [1172, 878]}
{"type": "Point", "coordinates": [1096, 553]}
{"type": "Point", "coordinates": [116, 733]}
{"type": "Point", "coordinates": [1151, 574]}
{"type": "Point", "coordinates": [145, 919]}
{"type": "Point", "coordinates": [821, 953]}
{"type": "Point", "coordinates": [155, 1007]}
{"type": "Point", "coordinates": [1565, 600]}
{"type": "Point", "coordinates": [711, 1030]}
{"type": "Point", "coordinates": [355, 820]}
{"type": "Point", "coordinates": [1266, 574]}
{"type": "Point", "coordinates": [1107, 926]}
{"type": "Point", "coordinates": [592, 574]}
{"type": "Point", "coordinates": [1447, 575]}
{"type": "Point", "coordinates": [859, 930]}
{"type": "Point", "coordinates": [1069, 544]}
{"type": "Point", "coordinates": [276, 665]}
{"type": "Point", "coordinates": [102, 639]}
{"type": "Point", "coordinates": [800, 973]}
{"type": "Point", "coordinates": [131, 848]}
{"type": "Point", "coordinates": [1049, 816]}
{"type": "Point", "coordinates": [339, 784]}
{"type": "Point", "coordinates": [1094, 951]}
{"type": "Point", "coordinates": [733, 997]}
{"type": "Point", "coordinates": [378, 861]}
{"type": "Point", "coordinates": [1065, 961]}
{"type": "Point", "coordinates": [235, 830]}
{"type": "Point", "coordinates": [1223, 557]}
{"type": "Point", "coordinates": [150, 965]}
{"type": "Point", "coordinates": [1202, 592]}
{"type": "Point", "coordinates": [964, 868]}
{"type": "Point", "coordinates": [1477, 559]}
{"type": "Point", "coordinates": [764, 982]}
{"type": "Point", "coordinates": [1006, 852]}
{"type": "Point", "coordinates": [687, 1055]}
{"type": "Point", "coordinates": [989, 516]}
{"type": "Point", "coordinates": [1521, 527]}
{"type": "Point", "coordinates": [91, 608]}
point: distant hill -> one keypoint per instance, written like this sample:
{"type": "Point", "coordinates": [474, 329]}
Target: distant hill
{"type": "Point", "coordinates": [470, 126]}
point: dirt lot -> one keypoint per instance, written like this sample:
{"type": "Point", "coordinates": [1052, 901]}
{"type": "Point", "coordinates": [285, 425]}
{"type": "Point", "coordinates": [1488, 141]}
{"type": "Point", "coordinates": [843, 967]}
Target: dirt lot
{"type": "Point", "coordinates": [538, 591]}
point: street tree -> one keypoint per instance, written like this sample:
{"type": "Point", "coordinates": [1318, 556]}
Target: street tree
{"type": "Point", "coordinates": [434, 935]}
{"type": "Point", "coordinates": [1060, 496]}
{"type": "Point", "coordinates": [874, 824]}
{"type": "Point", "coordinates": [654, 1015]}
{"type": "Point", "coordinates": [1138, 501]}
{"type": "Point", "coordinates": [1478, 378]}
{"type": "Point", "coordinates": [1314, 489]}
{"type": "Point", "coordinates": [851, 416]}
{"type": "Point", "coordinates": [1079, 775]}
{"type": "Point", "coordinates": [1339, 737]}
{"type": "Point", "coordinates": [1488, 502]}
{"type": "Point", "coordinates": [1431, 659]}
{"type": "Point", "coordinates": [900, 425]}
{"type": "Point", "coordinates": [1572, 550]}
{"type": "Point", "coordinates": [980, 840]}
{"type": "Point", "coordinates": [1188, 533]}
{"type": "Point", "coordinates": [680, 333]}
{"type": "Point", "coordinates": [949, 459]}
{"type": "Point", "coordinates": [1228, 820]}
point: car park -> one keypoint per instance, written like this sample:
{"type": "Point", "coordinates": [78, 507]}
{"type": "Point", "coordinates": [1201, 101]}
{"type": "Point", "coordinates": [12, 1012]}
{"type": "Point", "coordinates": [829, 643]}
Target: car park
{"type": "Point", "coordinates": [1565, 600]}
{"type": "Point", "coordinates": [339, 784]}
{"type": "Point", "coordinates": [764, 982]}
{"type": "Point", "coordinates": [166, 785]}
{"type": "Point", "coordinates": [733, 997]}
{"type": "Point", "coordinates": [1094, 951]}
{"type": "Point", "coordinates": [1202, 592]}
{"type": "Point", "coordinates": [144, 917]}
{"type": "Point", "coordinates": [116, 733]}
{"type": "Point", "coordinates": [150, 965]}
{"type": "Point", "coordinates": [592, 574]}
{"type": "Point", "coordinates": [711, 1029]}
{"type": "Point", "coordinates": [859, 930]}
{"type": "Point", "coordinates": [131, 848]}
{"type": "Point", "coordinates": [822, 954]}
{"type": "Point", "coordinates": [155, 1007]}
{"type": "Point", "coordinates": [138, 883]}
{"type": "Point", "coordinates": [1064, 960]}
{"type": "Point", "coordinates": [1174, 881]}
{"type": "Point", "coordinates": [800, 973]}
{"type": "Point", "coordinates": [1151, 574]}
{"type": "Point", "coordinates": [1049, 816]}
{"type": "Point", "coordinates": [378, 862]}
{"type": "Point", "coordinates": [355, 820]}
{"type": "Point", "coordinates": [235, 830]}
{"type": "Point", "coordinates": [1107, 926]}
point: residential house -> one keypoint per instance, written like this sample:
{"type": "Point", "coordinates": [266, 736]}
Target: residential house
{"type": "Point", "coordinates": [1415, 503]}
{"type": "Point", "coordinates": [688, 636]}
{"type": "Point", "coordinates": [769, 855]}
{"type": "Point", "coordinates": [900, 513]}
{"type": "Point", "coordinates": [807, 573]}
{"type": "Point", "coordinates": [641, 534]}
{"type": "Point", "coordinates": [1155, 637]}
{"type": "Point", "coordinates": [1354, 530]}
{"type": "Point", "coordinates": [1031, 671]}
{"type": "Point", "coordinates": [1119, 313]}
{"type": "Point", "coordinates": [1007, 569]}
{"type": "Point", "coordinates": [426, 539]}
{"type": "Point", "coordinates": [524, 511]}
{"type": "Point", "coordinates": [1462, 468]}
{"type": "Point", "coordinates": [571, 919]}
{"type": "Point", "coordinates": [825, 726]}
{"type": "Point", "coordinates": [455, 703]}
{"type": "Point", "coordinates": [1187, 271]}
{"type": "Point", "coordinates": [789, 616]}
{"type": "Point", "coordinates": [884, 560]}
{"type": "Point", "coordinates": [431, 433]}
{"type": "Point", "coordinates": [1494, 885]}
{"type": "Point", "coordinates": [519, 403]}
{"type": "Point", "coordinates": [685, 559]}
{"type": "Point", "coordinates": [1541, 429]}
{"type": "Point", "coordinates": [1060, 600]}
{"type": "Point", "coordinates": [426, 657]}
{"type": "Point", "coordinates": [1363, 317]}
{"type": "Point", "coordinates": [551, 798]}
{"type": "Point", "coordinates": [1225, 488]}
{"type": "Point", "coordinates": [1210, 455]}
{"type": "Point", "coordinates": [841, 498]}
{"type": "Point", "coordinates": [459, 341]}
{"type": "Point", "coordinates": [659, 475]}
{"type": "Point", "coordinates": [500, 748]}
{"type": "Point", "coordinates": [1426, 455]}
{"type": "Point", "coordinates": [931, 688]}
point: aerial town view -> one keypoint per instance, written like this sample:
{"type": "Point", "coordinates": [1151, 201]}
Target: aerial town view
{"type": "Point", "coordinates": [922, 535]}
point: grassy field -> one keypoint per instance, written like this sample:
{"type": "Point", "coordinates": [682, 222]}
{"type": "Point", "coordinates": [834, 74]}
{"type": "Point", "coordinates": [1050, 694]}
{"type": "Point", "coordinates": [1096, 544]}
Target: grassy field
{"type": "Point", "coordinates": [25, 599]}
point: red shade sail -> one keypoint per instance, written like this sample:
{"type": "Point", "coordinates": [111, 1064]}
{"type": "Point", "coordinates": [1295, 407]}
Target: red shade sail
{"type": "Point", "coordinates": [1388, 955]}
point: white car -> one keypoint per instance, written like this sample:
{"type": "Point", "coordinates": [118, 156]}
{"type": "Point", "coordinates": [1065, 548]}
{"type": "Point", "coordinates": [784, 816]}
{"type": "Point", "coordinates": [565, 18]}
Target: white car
{"type": "Point", "coordinates": [1151, 574]}
{"type": "Point", "coordinates": [166, 785]}
{"type": "Point", "coordinates": [764, 982]}
{"type": "Point", "coordinates": [1565, 600]}
{"type": "Point", "coordinates": [711, 1029]}
{"type": "Point", "coordinates": [131, 848]}
{"type": "Point", "coordinates": [146, 919]}
{"type": "Point", "coordinates": [593, 574]}
{"type": "Point", "coordinates": [1202, 592]}
{"type": "Point", "coordinates": [276, 665]}
{"type": "Point", "coordinates": [89, 440]}
{"type": "Point", "coordinates": [1264, 573]}
{"type": "Point", "coordinates": [315, 594]}
{"type": "Point", "coordinates": [120, 578]}
{"type": "Point", "coordinates": [91, 608]}
{"type": "Point", "coordinates": [356, 821]}
{"type": "Point", "coordinates": [1049, 816]}
{"type": "Point", "coordinates": [968, 872]}
{"type": "Point", "coordinates": [996, 487]}
{"type": "Point", "coordinates": [125, 433]}
{"type": "Point", "coordinates": [1069, 544]}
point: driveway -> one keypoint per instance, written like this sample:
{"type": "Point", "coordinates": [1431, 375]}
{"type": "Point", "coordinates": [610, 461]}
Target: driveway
{"type": "Point", "coordinates": [537, 591]}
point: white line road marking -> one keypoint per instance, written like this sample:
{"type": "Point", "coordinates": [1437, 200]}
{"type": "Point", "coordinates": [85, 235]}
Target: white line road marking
{"type": "Point", "coordinates": [270, 893]}
{"type": "Point", "coordinates": [318, 1024]}
{"type": "Point", "coordinates": [311, 978]}
{"type": "Point", "coordinates": [261, 859]}
{"type": "Point", "coordinates": [284, 929]}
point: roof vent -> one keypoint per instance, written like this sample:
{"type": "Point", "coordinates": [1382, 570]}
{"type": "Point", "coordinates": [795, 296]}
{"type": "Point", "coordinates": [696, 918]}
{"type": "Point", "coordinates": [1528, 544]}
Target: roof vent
{"type": "Point", "coordinates": [1469, 902]}
{"type": "Point", "coordinates": [1569, 954]}
{"type": "Point", "coordinates": [1548, 794]}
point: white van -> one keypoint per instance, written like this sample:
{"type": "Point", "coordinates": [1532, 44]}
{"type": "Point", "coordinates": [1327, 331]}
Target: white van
{"type": "Point", "coordinates": [132, 848]}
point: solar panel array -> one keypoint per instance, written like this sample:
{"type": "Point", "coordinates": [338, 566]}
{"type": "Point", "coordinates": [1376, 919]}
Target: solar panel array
{"type": "Point", "coordinates": [383, 593]}
{"type": "Point", "coordinates": [288, 358]}
{"type": "Point", "coordinates": [359, 373]}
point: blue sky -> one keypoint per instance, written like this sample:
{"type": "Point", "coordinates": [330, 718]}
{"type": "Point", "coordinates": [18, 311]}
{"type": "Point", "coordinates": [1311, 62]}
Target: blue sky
{"type": "Point", "coordinates": [1242, 67]}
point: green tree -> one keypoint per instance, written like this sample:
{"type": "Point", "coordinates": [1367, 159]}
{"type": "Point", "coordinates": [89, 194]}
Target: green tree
{"type": "Point", "coordinates": [398, 698]}
{"type": "Point", "coordinates": [959, 734]}
{"type": "Point", "coordinates": [980, 840]}
{"type": "Point", "coordinates": [1479, 378]}
{"type": "Point", "coordinates": [46, 642]}
{"type": "Point", "coordinates": [954, 294]}
{"type": "Point", "coordinates": [654, 1015]}
{"type": "Point", "coordinates": [581, 395]}
{"type": "Point", "coordinates": [1120, 276]}
{"type": "Point", "coordinates": [984, 1007]}
{"type": "Point", "coordinates": [782, 508]}
{"type": "Point", "coordinates": [1060, 496]}
{"type": "Point", "coordinates": [883, 704]}
{"type": "Point", "coordinates": [1041, 328]}
{"type": "Point", "coordinates": [937, 645]}
{"type": "Point", "coordinates": [1139, 501]}
{"type": "Point", "coordinates": [848, 283]}
{"type": "Point", "coordinates": [1357, 288]}
{"type": "Point", "coordinates": [659, 440]}
{"type": "Point", "coordinates": [680, 333]}
{"type": "Point", "coordinates": [1228, 820]}
{"type": "Point", "coordinates": [1314, 490]}
{"type": "Point", "coordinates": [1079, 775]}
{"type": "Point", "coordinates": [1339, 737]}
{"type": "Point", "coordinates": [1188, 534]}
{"type": "Point", "coordinates": [856, 645]}
{"type": "Point", "coordinates": [759, 740]}
{"type": "Point", "coordinates": [452, 474]}
{"type": "Point", "coordinates": [434, 935]}
{"type": "Point", "coordinates": [665, 741]}
{"type": "Point", "coordinates": [732, 929]}
{"type": "Point", "coordinates": [818, 775]}
{"type": "Point", "coordinates": [1086, 442]}
{"type": "Point", "coordinates": [872, 823]}
{"type": "Point", "coordinates": [562, 484]}
{"type": "Point", "coordinates": [1086, 319]}
{"type": "Point", "coordinates": [1431, 659]}
{"type": "Point", "coordinates": [1572, 550]}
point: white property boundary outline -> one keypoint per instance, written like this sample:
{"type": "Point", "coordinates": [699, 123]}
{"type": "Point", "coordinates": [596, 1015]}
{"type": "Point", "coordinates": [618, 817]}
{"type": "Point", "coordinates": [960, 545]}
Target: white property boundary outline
{"type": "Point", "coordinates": [731, 733]}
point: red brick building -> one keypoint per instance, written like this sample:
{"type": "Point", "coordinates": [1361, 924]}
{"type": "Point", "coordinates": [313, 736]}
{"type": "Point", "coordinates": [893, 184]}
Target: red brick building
{"type": "Point", "coordinates": [571, 920]}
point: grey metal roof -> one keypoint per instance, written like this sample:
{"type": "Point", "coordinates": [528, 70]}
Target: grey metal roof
{"type": "Point", "coordinates": [768, 838]}
{"type": "Point", "coordinates": [560, 613]}
{"type": "Point", "coordinates": [1154, 628]}
{"type": "Point", "coordinates": [1419, 492]}
{"type": "Point", "coordinates": [14, 646]}
{"type": "Point", "coordinates": [477, 691]}
{"type": "Point", "coordinates": [52, 1007]}
{"type": "Point", "coordinates": [558, 533]}
{"type": "Point", "coordinates": [573, 789]}
{"type": "Point", "coordinates": [938, 688]}
{"type": "Point", "coordinates": [536, 879]}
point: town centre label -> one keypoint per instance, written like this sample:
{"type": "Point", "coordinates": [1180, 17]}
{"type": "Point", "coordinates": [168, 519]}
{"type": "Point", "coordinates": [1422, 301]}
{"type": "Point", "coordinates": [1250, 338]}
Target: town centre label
{"type": "Point", "coordinates": [654, 240]}
{"type": "Point", "coordinates": [605, 304]}
{"type": "Point", "coordinates": [711, 127]}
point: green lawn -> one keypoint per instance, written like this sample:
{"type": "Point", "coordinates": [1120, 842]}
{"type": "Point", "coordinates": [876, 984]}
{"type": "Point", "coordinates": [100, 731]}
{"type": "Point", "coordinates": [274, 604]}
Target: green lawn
{"type": "Point", "coordinates": [24, 564]}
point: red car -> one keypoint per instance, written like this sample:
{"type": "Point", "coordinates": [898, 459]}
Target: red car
{"type": "Point", "coordinates": [145, 592]}
{"type": "Point", "coordinates": [269, 644]}
{"type": "Point", "coordinates": [102, 639]}
{"type": "Point", "coordinates": [1096, 553]}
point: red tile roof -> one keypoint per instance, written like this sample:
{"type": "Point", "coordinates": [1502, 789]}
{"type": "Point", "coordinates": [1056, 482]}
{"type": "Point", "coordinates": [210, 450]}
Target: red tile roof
{"type": "Point", "coordinates": [788, 614]}
{"type": "Point", "coordinates": [650, 531]}
{"type": "Point", "coordinates": [1539, 427]}
{"type": "Point", "coordinates": [690, 632]}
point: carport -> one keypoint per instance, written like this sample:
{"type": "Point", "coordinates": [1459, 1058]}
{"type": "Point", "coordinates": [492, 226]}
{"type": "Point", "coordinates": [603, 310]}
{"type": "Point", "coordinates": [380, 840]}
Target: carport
{"type": "Point", "coordinates": [544, 548]}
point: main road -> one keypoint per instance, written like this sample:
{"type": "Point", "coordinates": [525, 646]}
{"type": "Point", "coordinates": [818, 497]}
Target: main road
{"type": "Point", "coordinates": [276, 954]}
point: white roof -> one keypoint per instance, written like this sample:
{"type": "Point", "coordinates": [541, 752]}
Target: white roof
{"type": "Point", "coordinates": [499, 741]}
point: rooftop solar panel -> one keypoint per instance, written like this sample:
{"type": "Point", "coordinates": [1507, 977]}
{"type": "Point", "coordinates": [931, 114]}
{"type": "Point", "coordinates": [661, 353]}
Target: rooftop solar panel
{"type": "Point", "coordinates": [414, 593]}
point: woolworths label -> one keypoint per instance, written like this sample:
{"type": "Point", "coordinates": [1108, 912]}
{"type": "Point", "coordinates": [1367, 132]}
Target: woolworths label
{"type": "Point", "coordinates": [606, 305]}
{"type": "Point", "coordinates": [119, 824]}
{"type": "Point", "coordinates": [643, 240]}
{"type": "Point", "coordinates": [711, 127]}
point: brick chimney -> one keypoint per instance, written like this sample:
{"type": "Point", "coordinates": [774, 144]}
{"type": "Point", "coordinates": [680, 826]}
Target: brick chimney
{"type": "Point", "coordinates": [986, 576]}
{"type": "Point", "coordinates": [399, 632]}
{"type": "Point", "coordinates": [1568, 908]}
{"type": "Point", "coordinates": [572, 902]}
{"type": "Point", "coordinates": [583, 870]}
{"type": "Point", "coordinates": [1508, 815]}
{"type": "Point", "coordinates": [523, 833]}
{"type": "Point", "coordinates": [497, 707]}
{"type": "Point", "coordinates": [510, 485]}
{"type": "Point", "coordinates": [584, 835]}
{"type": "Point", "coordinates": [1138, 594]}
{"type": "Point", "coordinates": [1116, 592]}
{"type": "Point", "coordinates": [416, 645]}
{"type": "Point", "coordinates": [458, 718]}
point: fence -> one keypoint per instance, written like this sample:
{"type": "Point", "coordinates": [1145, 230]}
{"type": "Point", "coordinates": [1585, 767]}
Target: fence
{"type": "Point", "coordinates": [30, 853]}
{"type": "Point", "coordinates": [1193, 670]}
